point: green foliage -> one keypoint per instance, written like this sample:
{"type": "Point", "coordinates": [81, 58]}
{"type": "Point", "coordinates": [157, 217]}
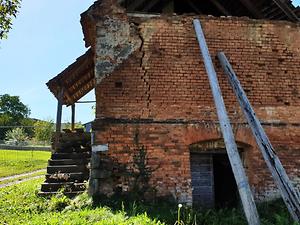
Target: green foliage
{"type": "Point", "coordinates": [12, 106]}
{"type": "Point", "coordinates": [28, 124]}
{"type": "Point", "coordinates": [43, 131]}
{"type": "Point", "coordinates": [58, 202]}
{"type": "Point", "coordinates": [16, 162]}
{"type": "Point", "coordinates": [141, 173]}
{"type": "Point", "coordinates": [16, 136]}
{"type": "Point", "coordinates": [12, 113]}
{"type": "Point", "coordinates": [19, 204]}
{"type": "Point", "coordinates": [68, 125]}
{"type": "Point", "coordinates": [8, 10]}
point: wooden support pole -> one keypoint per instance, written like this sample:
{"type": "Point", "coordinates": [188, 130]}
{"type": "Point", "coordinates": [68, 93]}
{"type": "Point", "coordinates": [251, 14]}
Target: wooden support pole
{"type": "Point", "coordinates": [289, 194]}
{"type": "Point", "coordinates": [231, 148]}
{"type": "Point", "coordinates": [73, 116]}
{"type": "Point", "coordinates": [58, 116]}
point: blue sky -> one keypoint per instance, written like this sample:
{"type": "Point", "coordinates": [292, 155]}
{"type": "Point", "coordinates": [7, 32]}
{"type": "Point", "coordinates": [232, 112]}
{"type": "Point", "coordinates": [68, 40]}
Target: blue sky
{"type": "Point", "coordinates": [45, 39]}
{"type": "Point", "coordinates": [296, 2]}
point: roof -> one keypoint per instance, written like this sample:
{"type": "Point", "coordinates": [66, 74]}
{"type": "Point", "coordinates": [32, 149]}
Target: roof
{"type": "Point", "coordinates": [76, 80]}
{"type": "Point", "coordinates": [256, 9]}
{"type": "Point", "coordinates": [259, 9]}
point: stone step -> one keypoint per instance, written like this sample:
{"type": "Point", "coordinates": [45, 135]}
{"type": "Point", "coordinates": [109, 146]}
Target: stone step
{"type": "Point", "coordinates": [73, 148]}
{"type": "Point", "coordinates": [57, 162]}
{"type": "Point", "coordinates": [67, 177]}
{"type": "Point", "coordinates": [51, 193]}
{"type": "Point", "coordinates": [67, 186]}
{"type": "Point", "coordinates": [66, 169]}
{"type": "Point", "coordinates": [74, 155]}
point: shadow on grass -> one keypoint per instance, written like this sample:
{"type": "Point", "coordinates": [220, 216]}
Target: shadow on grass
{"type": "Point", "coordinates": [271, 213]}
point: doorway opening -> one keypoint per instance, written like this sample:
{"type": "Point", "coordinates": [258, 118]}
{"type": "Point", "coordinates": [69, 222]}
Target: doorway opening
{"type": "Point", "coordinates": [213, 181]}
{"type": "Point", "coordinates": [225, 188]}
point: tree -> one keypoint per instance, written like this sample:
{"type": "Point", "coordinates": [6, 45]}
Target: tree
{"type": "Point", "coordinates": [12, 112]}
{"type": "Point", "coordinates": [12, 106]}
{"type": "Point", "coordinates": [43, 130]}
{"type": "Point", "coordinates": [8, 10]}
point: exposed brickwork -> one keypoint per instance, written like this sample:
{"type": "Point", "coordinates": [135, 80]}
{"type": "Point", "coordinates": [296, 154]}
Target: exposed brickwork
{"type": "Point", "coordinates": [265, 58]}
{"type": "Point", "coordinates": [165, 81]}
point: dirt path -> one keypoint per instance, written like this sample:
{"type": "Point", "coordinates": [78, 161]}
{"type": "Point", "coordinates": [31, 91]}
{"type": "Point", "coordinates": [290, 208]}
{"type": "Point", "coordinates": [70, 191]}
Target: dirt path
{"type": "Point", "coordinates": [20, 181]}
{"type": "Point", "coordinates": [21, 175]}
{"type": "Point", "coordinates": [16, 179]}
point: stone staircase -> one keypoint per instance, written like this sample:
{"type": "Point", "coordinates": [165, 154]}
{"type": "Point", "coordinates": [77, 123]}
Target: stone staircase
{"type": "Point", "coordinates": [67, 170]}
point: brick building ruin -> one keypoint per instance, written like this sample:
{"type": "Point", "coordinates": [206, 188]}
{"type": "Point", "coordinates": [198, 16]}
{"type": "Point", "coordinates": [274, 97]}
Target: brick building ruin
{"type": "Point", "coordinates": [156, 128]}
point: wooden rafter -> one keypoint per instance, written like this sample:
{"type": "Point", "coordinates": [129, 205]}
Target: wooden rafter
{"type": "Point", "coordinates": [220, 7]}
{"type": "Point", "coordinates": [287, 10]}
{"type": "Point", "coordinates": [150, 5]}
{"type": "Point", "coordinates": [252, 9]}
{"type": "Point", "coordinates": [77, 80]}
{"type": "Point", "coordinates": [135, 5]}
{"type": "Point", "coordinates": [194, 7]}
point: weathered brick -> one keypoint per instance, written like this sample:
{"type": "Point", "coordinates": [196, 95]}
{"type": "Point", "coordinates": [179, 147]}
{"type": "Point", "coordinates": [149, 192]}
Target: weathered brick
{"type": "Point", "coordinates": [166, 103]}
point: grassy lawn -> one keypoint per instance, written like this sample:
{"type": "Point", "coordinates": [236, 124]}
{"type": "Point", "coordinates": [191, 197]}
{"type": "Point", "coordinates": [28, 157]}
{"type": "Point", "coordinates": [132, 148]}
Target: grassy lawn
{"type": "Point", "coordinates": [19, 204]}
{"type": "Point", "coordinates": [15, 179]}
{"type": "Point", "coordinates": [16, 162]}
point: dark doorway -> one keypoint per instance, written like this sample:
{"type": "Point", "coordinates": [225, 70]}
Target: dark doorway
{"type": "Point", "coordinates": [213, 181]}
{"type": "Point", "coordinates": [225, 188]}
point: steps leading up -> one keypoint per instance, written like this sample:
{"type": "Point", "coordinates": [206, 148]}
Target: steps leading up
{"type": "Point", "coordinates": [67, 169]}
{"type": "Point", "coordinates": [60, 177]}
{"type": "Point", "coordinates": [67, 186]}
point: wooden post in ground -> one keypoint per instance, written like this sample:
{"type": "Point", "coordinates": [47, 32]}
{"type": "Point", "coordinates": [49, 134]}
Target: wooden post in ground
{"type": "Point", "coordinates": [58, 117]}
{"type": "Point", "coordinates": [73, 117]}
{"type": "Point", "coordinates": [289, 194]}
{"type": "Point", "coordinates": [231, 148]}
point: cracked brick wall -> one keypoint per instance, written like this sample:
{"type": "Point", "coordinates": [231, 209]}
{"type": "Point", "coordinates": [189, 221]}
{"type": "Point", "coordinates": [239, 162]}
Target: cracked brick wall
{"type": "Point", "coordinates": [159, 88]}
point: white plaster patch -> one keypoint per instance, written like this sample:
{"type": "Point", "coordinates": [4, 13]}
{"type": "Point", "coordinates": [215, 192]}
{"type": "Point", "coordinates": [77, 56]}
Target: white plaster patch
{"type": "Point", "coordinates": [100, 148]}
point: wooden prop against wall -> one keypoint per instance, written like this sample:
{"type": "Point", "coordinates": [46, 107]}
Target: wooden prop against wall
{"type": "Point", "coordinates": [289, 194]}
{"type": "Point", "coordinates": [231, 147]}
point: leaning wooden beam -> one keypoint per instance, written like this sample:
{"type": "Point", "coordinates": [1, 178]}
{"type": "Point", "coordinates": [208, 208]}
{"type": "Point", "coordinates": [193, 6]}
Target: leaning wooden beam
{"type": "Point", "coordinates": [231, 148]}
{"type": "Point", "coordinates": [288, 192]}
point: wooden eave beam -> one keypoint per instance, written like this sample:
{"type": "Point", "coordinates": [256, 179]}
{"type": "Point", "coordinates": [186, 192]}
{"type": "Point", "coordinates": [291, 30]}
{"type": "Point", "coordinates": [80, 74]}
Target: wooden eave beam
{"type": "Point", "coordinates": [85, 88]}
{"type": "Point", "coordinates": [287, 10]}
{"type": "Point", "coordinates": [252, 9]}
{"type": "Point", "coordinates": [220, 7]}
{"type": "Point", "coordinates": [80, 82]}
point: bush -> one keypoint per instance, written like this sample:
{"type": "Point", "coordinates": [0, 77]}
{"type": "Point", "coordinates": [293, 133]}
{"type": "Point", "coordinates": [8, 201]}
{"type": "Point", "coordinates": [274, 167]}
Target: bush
{"type": "Point", "coordinates": [16, 136]}
{"type": "Point", "coordinates": [43, 131]}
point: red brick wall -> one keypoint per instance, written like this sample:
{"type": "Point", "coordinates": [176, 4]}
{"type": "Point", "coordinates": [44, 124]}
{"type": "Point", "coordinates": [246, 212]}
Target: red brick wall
{"type": "Point", "coordinates": [165, 81]}
{"type": "Point", "coordinates": [166, 78]}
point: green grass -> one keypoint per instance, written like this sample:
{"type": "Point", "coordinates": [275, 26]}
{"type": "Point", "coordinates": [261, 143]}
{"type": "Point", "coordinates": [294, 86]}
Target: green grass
{"type": "Point", "coordinates": [19, 204]}
{"type": "Point", "coordinates": [14, 162]}
{"type": "Point", "coordinates": [22, 177]}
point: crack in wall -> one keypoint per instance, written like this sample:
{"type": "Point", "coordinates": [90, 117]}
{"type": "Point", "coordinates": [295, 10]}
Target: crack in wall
{"type": "Point", "coordinates": [145, 77]}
